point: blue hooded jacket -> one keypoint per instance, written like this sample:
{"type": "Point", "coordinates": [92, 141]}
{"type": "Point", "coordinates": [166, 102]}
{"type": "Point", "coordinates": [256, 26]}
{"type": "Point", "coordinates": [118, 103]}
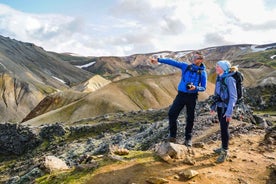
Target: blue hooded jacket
{"type": "Point", "coordinates": [189, 75]}
{"type": "Point", "coordinates": [227, 91]}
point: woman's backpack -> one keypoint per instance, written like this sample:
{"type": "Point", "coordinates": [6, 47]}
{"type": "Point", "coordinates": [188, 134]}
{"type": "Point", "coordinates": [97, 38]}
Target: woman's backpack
{"type": "Point", "coordinates": [238, 76]}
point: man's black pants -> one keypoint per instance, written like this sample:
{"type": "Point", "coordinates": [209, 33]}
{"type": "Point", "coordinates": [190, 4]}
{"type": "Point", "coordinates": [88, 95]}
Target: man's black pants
{"type": "Point", "coordinates": [181, 100]}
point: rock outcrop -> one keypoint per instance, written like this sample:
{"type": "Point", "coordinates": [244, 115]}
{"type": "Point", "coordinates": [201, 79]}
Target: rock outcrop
{"type": "Point", "coordinates": [17, 139]}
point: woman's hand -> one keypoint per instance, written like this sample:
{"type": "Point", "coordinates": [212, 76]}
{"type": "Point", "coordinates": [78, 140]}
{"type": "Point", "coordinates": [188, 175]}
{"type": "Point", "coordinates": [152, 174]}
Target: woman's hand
{"type": "Point", "coordinates": [228, 118]}
{"type": "Point", "coordinates": [212, 112]}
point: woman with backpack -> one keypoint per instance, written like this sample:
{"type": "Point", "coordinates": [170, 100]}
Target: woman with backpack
{"type": "Point", "coordinates": [226, 95]}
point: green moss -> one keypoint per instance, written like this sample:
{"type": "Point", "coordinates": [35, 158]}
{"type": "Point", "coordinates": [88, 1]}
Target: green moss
{"type": "Point", "coordinates": [76, 176]}
{"type": "Point", "coordinates": [136, 89]}
{"type": "Point", "coordinates": [44, 145]}
{"type": "Point", "coordinates": [7, 162]}
{"type": "Point", "coordinates": [98, 129]}
{"type": "Point", "coordinates": [4, 166]}
{"type": "Point", "coordinates": [69, 177]}
{"type": "Point", "coordinates": [145, 116]}
{"type": "Point", "coordinates": [73, 176]}
{"type": "Point", "coordinates": [270, 112]}
{"type": "Point", "coordinates": [262, 57]}
{"type": "Point", "coordinates": [142, 155]}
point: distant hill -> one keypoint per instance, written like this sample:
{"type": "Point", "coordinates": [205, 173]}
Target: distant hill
{"type": "Point", "coordinates": [45, 87]}
{"type": "Point", "coordinates": [28, 74]}
{"type": "Point", "coordinates": [260, 58]}
{"type": "Point", "coordinates": [132, 94]}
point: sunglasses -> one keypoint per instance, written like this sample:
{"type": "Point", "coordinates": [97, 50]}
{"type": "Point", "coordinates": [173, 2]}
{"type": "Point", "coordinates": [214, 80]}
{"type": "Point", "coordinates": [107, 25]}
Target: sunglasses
{"type": "Point", "coordinates": [198, 57]}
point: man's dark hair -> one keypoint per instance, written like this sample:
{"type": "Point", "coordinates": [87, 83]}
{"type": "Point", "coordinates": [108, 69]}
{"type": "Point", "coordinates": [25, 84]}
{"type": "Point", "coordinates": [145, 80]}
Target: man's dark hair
{"type": "Point", "coordinates": [200, 55]}
{"type": "Point", "coordinates": [198, 52]}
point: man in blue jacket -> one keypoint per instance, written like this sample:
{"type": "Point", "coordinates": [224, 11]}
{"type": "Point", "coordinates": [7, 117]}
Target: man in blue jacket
{"type": "Point", "coordinates": [193, 80]}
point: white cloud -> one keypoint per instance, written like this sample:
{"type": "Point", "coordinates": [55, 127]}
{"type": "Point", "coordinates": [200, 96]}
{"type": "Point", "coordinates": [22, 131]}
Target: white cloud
{"type": "Point", "coordinates": [141, 26]}
{"type": "Point", "coordinates": [249, 11]}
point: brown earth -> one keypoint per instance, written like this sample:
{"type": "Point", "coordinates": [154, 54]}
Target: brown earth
{"type": "Point", "coordinates": [250, 162]}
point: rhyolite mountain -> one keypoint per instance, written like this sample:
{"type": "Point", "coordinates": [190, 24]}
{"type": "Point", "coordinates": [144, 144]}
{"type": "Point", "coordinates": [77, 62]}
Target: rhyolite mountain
{"type": "Point", "coordinates": [29, 74]}
{"type": "Point", "coordinates": [40, 87]}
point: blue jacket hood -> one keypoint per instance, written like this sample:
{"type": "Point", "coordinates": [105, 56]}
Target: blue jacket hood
{"type": "Point", "coordinates": [196, 68]}
{"type": "Point", "coordinates": [226, 75]}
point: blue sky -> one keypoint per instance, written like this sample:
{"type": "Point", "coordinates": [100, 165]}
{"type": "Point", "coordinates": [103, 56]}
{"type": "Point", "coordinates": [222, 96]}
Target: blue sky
{"type": "Point", "coordinates": [56, 6]}
{"type": "Point", "coordinates": [125, 27]}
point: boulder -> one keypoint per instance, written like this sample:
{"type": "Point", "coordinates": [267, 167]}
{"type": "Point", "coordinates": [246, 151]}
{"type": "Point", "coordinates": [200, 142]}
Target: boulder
{"type": "Point", "coordinates": [52, 163]}
{"type": "Point", "coordinates": [169, 151]}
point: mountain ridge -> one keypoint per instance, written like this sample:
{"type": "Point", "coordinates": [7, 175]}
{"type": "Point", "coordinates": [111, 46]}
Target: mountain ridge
{"type": "Point", "coordinates": [48, 73]}
{"type": "Point", "coordinates": [35, 71]}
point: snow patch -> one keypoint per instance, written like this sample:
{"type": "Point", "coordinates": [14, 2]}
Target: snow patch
{"type": "Point", "coordinates": [243, 48]}
{"type": "Point", "coordinates": [272, 57]}
{"type": "Point", "coordinates": [181, 54]}
{"type": "Point", "coordinates": [59, 79]}
{"type": "Point", "coordinates": [254, 49]}
{"type": "Point", "coordinates": [161, 55]}
{"type": "Point", "coordinates": [3, 66]}
{"type": "Point", "coordinates": [86, 65]}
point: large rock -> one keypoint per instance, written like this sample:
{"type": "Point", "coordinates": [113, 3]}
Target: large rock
{"type": "Point", "coordinates": [189, 173]}
{"type": "Point", "coordinates": [170, 151]}
{"type": "Point", "coordinates": [16, 139]}
{"type": "Point", "coordinates": [52, 163]}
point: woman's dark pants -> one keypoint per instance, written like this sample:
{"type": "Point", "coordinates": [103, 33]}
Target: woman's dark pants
{"type": "Point", "coordinates": [223, 128]}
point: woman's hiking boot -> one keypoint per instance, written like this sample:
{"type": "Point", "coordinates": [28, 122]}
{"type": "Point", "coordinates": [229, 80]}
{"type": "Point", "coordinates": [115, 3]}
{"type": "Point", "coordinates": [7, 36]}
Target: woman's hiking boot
{"type": "Point", "coordinates": [222, 156]}
{"type": "Point", "coordinates": [217, 150]}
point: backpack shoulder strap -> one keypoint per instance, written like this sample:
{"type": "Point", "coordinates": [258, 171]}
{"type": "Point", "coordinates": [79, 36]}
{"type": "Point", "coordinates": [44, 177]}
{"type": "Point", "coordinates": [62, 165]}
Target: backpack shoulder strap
{"type": "Point", "coordinates": [198, 72]}
{"type": "Point", "coordinates": [223, 81]}
{"type": "Point", "coordinates": [189, 67]}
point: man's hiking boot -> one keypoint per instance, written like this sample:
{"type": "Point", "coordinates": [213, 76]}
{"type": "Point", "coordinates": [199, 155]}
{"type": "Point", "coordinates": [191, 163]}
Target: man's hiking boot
{"type": "Point", "coordinates": [223, 155]}
{"type": "Point", "coordinates": [171, 139]}
{"type": "Point", "coordinates": [188, 142]}
{"type": "Point", "coordinates": [217, 150]}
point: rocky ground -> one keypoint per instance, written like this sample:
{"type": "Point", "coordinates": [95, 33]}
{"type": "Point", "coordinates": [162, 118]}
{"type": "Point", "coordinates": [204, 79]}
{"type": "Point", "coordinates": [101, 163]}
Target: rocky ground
{"type": "Point", "coordinates": [87, 147]}
{"type": "Point", "coordinates": [250, 161]}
